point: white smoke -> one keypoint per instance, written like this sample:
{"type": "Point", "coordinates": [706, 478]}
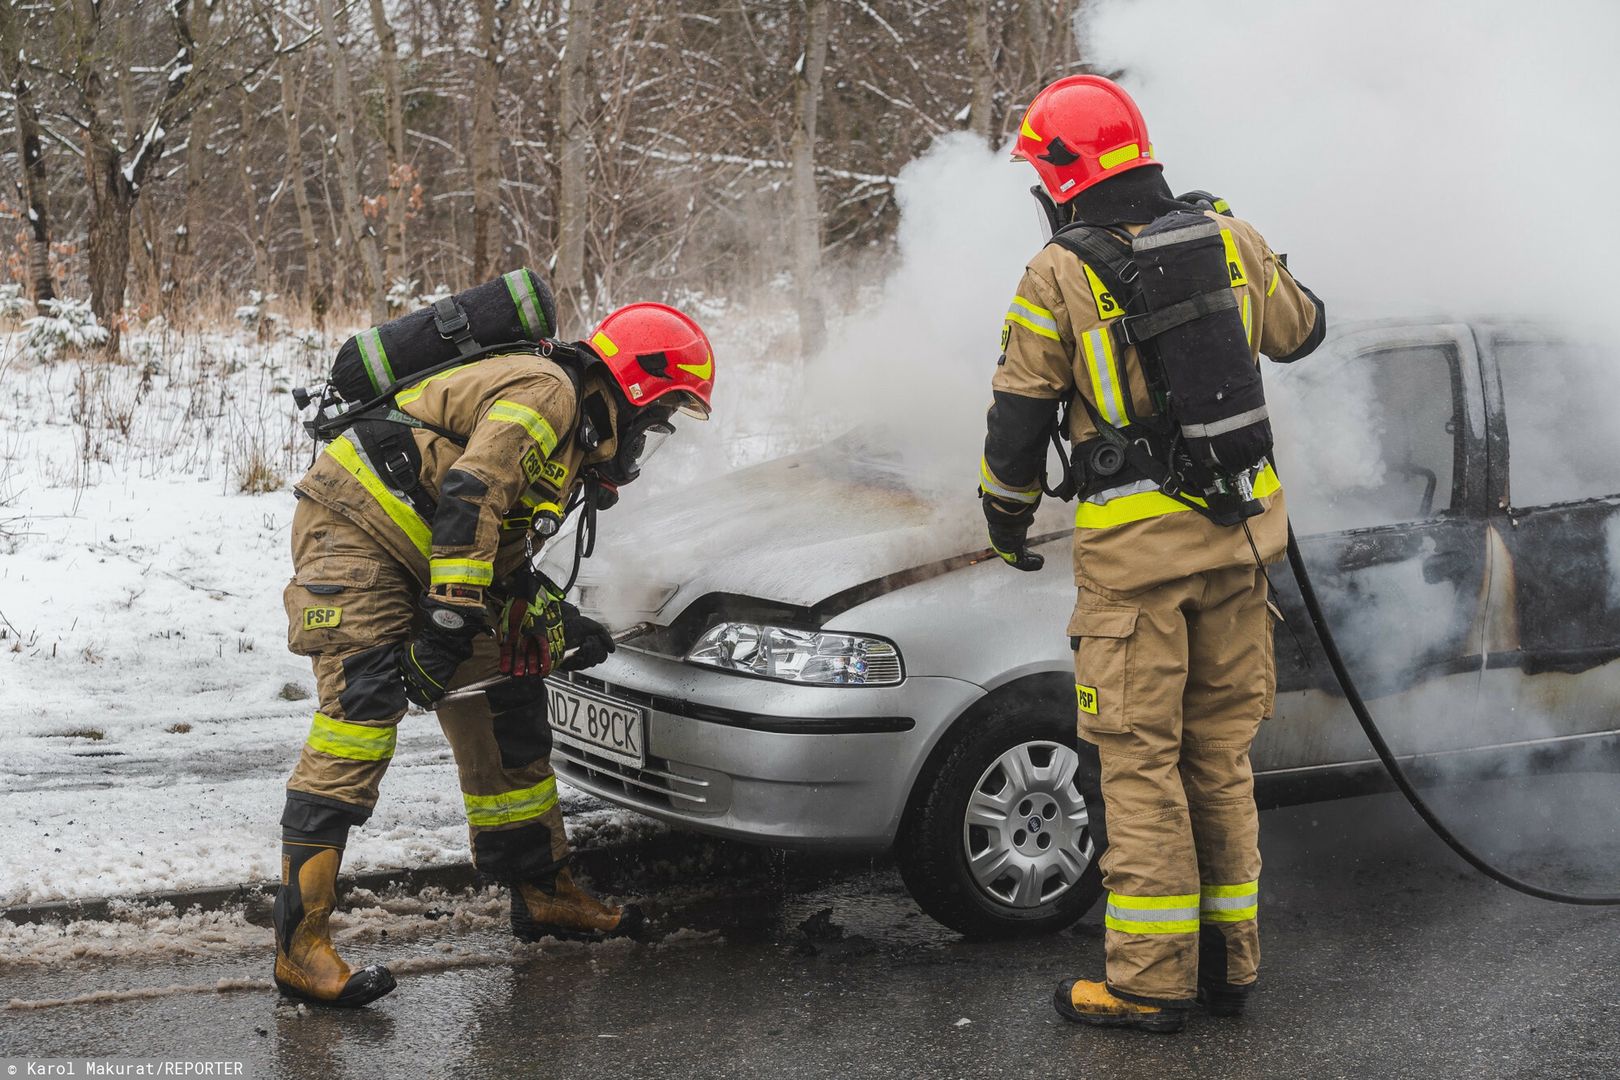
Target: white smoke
{"type": "Point", "coordinates": [1414, 158]}
{"type": "Point", "coordinates": [914, 366]}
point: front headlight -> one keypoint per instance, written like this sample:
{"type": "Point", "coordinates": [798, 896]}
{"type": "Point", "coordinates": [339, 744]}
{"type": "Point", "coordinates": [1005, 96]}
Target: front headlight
{"type": "Point", "coordinates": [799, 656]}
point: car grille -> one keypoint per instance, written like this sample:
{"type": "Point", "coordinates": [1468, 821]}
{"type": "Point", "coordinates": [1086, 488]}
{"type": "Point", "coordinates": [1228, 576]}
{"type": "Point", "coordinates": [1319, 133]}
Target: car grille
{"type": "Point", "coordinates": [656, 782]}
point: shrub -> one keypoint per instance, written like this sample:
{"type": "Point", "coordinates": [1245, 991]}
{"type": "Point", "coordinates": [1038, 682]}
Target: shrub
{"type": "Point", "coordinates": [68, 326]}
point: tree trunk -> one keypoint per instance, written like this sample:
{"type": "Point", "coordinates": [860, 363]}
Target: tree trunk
{"type": "Point", "coordinates": [177, 291]}
{"type": "Point", "coordinates": [348, 167]}
{"type": "Point", "coordinates": [316, 295]}
{"type": "Point", "coordinates": [573, 193]}
{"type": "Point", "coordinates": [401, 177]}
{"type": "Point", "coordinates": [487, 248]}
{"type": "Point", "coordinates": [33, 185]}
{"type": "Point", "coordinates": [981, 69]}
{"type": "Point", "coordinates": [250, 195]}
{"type": "Point", "coordinates": [806, 197]}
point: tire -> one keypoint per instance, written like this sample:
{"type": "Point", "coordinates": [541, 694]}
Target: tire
{"type": "Point", "coordinates": [1020, 887]}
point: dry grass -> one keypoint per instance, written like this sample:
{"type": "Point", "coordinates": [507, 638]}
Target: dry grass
{"type": "Point", "coordinates": [256, 475]}
{"type": "Point", "coordinates": [93, 734]}
{"type": "Point", "coordinates": [178, 729]}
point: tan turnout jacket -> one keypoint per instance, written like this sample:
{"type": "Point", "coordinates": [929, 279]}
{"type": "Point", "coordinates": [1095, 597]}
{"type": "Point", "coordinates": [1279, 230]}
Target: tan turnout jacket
{"type": "Point", "coordinates": [1131, 542]}
{"type": "Point", "coordinates": [518, 414]}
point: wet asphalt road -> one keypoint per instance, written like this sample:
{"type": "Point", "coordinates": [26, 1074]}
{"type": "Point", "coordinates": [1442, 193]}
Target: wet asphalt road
{"type": "Point", "coordinates": [1384, 957]}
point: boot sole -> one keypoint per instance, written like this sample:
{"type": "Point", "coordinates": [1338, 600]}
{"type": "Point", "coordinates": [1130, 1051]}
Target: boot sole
{"type": "Point", "coordinates": [1166, 1022]}
{"type": "Point", "coordinates": [380, 983]}
{"type": "Point", "coordinates": [632, 922]}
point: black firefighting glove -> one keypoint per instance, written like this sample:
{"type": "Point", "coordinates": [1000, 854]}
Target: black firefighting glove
{"type": "Point", "coordinates": [590, 640]}
{"type": "Point", "coordinates": [1009, 533]}
{"type": "Point", "coordinates": [427, 664]}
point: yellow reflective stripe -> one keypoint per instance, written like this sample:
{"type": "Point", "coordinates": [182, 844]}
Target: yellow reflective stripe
{"type": "Point", "coordinates": [1151, 504]}
{"type": "Point", "coordinates": [355, 742]}
{"type": "Point", "coordinates": [1030, 324]}
{"type": "Point", "coordinates": [1248, 320]}
{"type": "Point", "coordinates": [405, 397]}
{"type": "Point", "coordinates": [1120, 156]}
{"type": "Point", "coordinates": [1276, 276]}
{"type": "Point", "coordinates": [1033, 309]}
{"type": "Point", "coordinates": [1107, 306]}
{"type": "Point", "coordinates": [511, 806]}
{"type": "Point", "coordinates": [1234, 261]}
{"type": "Point", "coordinates": [1135, 926]}
{"type": "Point", "coordinates": [1027, 495]}
{"type": "Point", "coordinates": [1153, 914]}
{"type": "Point", "coordinates": [1098, 346]}
{"type": "Point", "coordinates": [604, 346]}
{"type": "Point", "coordinates": [421, 534]}
{"type": "Point", "coordinates": [461, 572]}
{"type": "Point", "coordinates": [510, 412]}
{"type": "Point", "coordinates": [1248, 888]}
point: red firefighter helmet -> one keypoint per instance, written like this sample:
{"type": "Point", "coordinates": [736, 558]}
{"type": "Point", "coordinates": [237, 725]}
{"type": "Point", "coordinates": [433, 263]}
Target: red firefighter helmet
{"type": "Point", "coordinates": [654, 351]}
{"type": "Point", "coordinates": [1080, 131]}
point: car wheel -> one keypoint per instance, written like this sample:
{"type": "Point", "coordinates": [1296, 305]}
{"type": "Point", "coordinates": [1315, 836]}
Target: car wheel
{"type": "Point", "coordinates": [997, 841]}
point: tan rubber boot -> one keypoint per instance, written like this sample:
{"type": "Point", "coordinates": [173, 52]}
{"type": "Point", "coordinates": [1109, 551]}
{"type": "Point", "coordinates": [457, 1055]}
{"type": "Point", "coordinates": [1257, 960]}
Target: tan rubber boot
{"type": "Point", "coordinates": [307, 966]}
{"type": "Point", "coordinates": [569, 912]}
{"type": "Point", "coordinates": [1091, 1003]}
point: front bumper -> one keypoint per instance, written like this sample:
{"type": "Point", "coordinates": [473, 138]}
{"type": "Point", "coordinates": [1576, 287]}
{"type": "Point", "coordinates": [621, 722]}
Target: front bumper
{"type": "Point", "coordinates": [768, 762]}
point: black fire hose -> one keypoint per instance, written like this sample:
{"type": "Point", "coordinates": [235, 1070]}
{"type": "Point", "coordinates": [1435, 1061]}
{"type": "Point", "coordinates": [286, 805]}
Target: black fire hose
{"type": "Point", "coordinates": [1396, 773]}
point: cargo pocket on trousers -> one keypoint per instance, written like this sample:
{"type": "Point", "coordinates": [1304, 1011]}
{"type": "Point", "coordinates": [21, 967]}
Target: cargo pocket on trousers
{"type": "Point", "coordinates": [316, 599]}
{"type": "Point", "coordinates": [1102, 637]}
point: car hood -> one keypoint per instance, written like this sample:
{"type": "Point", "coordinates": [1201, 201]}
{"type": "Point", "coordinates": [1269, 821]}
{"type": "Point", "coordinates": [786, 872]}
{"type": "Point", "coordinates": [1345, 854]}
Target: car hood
{"type": "Point", "coordinates": [794, 531]}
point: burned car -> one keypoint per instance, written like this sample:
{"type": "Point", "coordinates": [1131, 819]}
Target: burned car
{"type": "Point", "coordinates": [829, 658]}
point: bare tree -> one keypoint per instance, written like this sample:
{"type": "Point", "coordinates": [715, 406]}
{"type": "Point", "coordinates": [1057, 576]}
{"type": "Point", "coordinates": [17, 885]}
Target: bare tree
{"type": "Point", "coordinates": [401, 176]}
{"type": "Point", "coordinates": [290, 68]}
{"type": "Point", "coordinates": [33, 183]}
{"type": "Point", "coordinates": [573, 159]}
{"type": "Point", "coordinates": [114, 182]}
{"type": "Point", "coordinates": [346, 162]}
{"type": "Point", "coordinates": [806, 195]}
{"type": "Point", "coordinates": [486, 253]}
{"type": "Point", "coordinates": [982, 71]}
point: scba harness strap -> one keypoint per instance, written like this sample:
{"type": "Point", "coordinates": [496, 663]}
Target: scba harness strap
{"type": "Point", "coordinates": [1131, 449]}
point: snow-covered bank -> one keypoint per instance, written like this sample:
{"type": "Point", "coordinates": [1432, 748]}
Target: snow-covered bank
{"type": "Point", "coordinates": [149, 710]}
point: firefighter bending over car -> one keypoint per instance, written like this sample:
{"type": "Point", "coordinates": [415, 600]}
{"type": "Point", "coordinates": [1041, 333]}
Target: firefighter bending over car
{"type": "Point", "coordinates": [412, 542]}
{"type": "Point", "coordinates": [1139, 329]}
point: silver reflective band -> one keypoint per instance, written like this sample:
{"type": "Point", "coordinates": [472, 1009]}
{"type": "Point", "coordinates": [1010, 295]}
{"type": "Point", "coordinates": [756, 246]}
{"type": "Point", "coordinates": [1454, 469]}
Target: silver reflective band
{"type": "Point", "coordinates": [1169, 914]}
{"type": "Point", "coordinates": [1176, 236]}
{"type": "Point", "coordinates": [1029, 313]}
{"type": "Point", "coordinates": [1221, 427]}
{"type": "Point", "coordinates": [1006, 493]}
{"type": "Point", "coordinates": [1229, 903]}
{"type": "Point", "coordinates": [1103, 498]}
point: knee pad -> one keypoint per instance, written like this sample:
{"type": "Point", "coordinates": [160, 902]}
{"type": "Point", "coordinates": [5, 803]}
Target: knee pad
{"type": "Point", "coordinates": [518, 718]}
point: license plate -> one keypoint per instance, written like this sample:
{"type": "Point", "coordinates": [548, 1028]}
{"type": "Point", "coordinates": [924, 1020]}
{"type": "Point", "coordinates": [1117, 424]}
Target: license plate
{"type": "Point", "coordinates": [597, 723]}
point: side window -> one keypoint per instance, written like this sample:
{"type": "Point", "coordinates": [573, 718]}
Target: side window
{"type": "Point", "coordinates": [1370, 438]}
{"type": "Point", "coordinates": [1563, 443]}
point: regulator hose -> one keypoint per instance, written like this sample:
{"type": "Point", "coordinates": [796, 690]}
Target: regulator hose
{"type": "Point", "coordinates": [1396, 773]}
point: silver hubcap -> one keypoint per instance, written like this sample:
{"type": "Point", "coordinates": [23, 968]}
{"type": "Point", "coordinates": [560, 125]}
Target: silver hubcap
{"type": "Point", "coordinates": [1025, 829]}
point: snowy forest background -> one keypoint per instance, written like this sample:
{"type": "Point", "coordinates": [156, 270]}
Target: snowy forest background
{"type": "Point", "coordinates": [174, 158]}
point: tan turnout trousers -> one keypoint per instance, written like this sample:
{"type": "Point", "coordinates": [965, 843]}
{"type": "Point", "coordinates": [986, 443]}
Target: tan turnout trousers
{"type": "Point", "coordinates": [1172, 687]}
{"type": "Point", "coordinates": [502, 747]}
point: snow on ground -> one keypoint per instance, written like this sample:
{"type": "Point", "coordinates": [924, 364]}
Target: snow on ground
{"type": "Point", "coordinates": [149, 710]}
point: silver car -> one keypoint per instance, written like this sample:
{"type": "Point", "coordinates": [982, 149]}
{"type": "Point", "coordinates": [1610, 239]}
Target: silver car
{"type": "Point", "coordinates": [827, 657]}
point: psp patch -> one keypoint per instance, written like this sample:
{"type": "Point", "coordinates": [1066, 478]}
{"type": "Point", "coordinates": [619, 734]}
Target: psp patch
{"type": "Point", "coordinates": [1087, 696]}
{"type": "Point", "coordinates": [322, 618]}
{"type": "Point", "coordinates": [556, 473]}
{"type": "Point", "coordinates": [534, 466]}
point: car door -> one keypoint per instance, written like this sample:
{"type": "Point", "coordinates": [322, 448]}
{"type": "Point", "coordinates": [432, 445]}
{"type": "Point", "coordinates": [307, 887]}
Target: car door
{"type": "Point", "coordinates": [1552, 668]}
{"type": "Point", "coordinates": [1381, 447]}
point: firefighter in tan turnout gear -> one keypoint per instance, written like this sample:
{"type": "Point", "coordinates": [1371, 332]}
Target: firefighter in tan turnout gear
{"type": "Point", "coordinates": [1177, 513]}
{"type": "Point", "coordinates": [413, 581]}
